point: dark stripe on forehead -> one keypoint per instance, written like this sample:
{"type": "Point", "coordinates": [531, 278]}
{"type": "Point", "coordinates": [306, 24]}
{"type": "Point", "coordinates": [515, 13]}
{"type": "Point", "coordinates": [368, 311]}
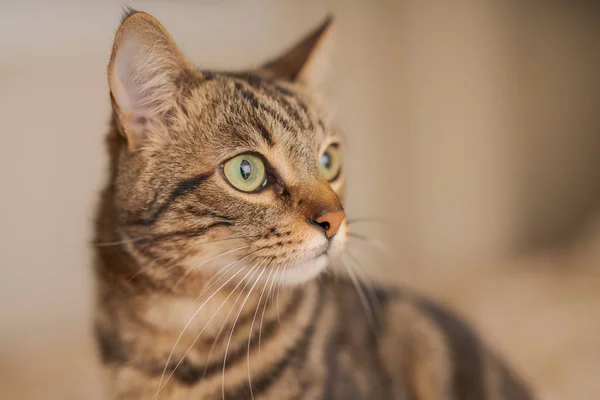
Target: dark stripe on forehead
{"type": "Point", "coordinates": [264, 132]}
{"type": "Point", "coordinates": [181, 189]}
{"type": "Point", "coordinates": [286, 92]}
{"type": "Point", "coordinates": [283, 96]}
{"type": "Point", "coordinates": [322, 125]}
{"type": "Point", "coordinates": [465, 348]}
{"type": "Point", "coordinates": [248, 95]}
{"type": "Point", "coordinates": [252, 97]}
{"type": "Point", "coordinates": [296, 110]}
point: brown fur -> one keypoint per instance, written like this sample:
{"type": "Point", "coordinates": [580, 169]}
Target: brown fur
{"type": "Point", "coordinates": [195, 293]}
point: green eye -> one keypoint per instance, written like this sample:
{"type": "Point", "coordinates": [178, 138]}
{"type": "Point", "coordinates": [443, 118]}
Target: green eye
{"type": "Point", "coordinates": [330, 163]}
{"type": "Point", "coordinates": [245, 172]}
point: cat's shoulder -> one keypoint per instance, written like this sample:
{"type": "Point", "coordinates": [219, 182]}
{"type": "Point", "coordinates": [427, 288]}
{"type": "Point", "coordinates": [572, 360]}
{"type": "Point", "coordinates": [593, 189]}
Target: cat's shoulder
{"type": "Point", "coordinates": [395, 299]}
{"type": "Point", "coordinates": [406, 314]}
{"type": "Point", "coordinates": [441, 349]}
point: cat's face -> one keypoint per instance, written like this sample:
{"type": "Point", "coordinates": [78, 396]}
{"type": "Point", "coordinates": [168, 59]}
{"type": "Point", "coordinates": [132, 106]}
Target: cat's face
{"type": "Point", "coordinates": [237, 174]}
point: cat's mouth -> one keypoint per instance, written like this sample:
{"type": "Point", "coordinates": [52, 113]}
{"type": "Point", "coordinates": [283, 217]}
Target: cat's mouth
{"type": "Point", "coordinates": [305, 270]}
{"type": "Point", "coordinates": [316, 251]}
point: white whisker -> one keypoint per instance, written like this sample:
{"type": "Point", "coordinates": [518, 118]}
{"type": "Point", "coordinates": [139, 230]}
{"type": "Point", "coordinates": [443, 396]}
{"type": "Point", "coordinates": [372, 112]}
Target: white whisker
{"type": "Point", "coordinates": [219, 274]}
{"type": "Point", "coordinates": [361, 294]}
{"type": "Point", "coordinates": [160, 386]}
{"type": "Point", "coordinates": [224, 324]}
{"type": "Point", "coordinates": [374, 220]}
{"type": "Point", "coordinates": [377, 244]}
{"type": "Point", "coordinates": [202, 331]}
{"type": "Point", "coordinates": [252, 327]}
{"type": "Point", "coordinates": [369, 286]}
{"type": "Point", "coordinates": [206, 261]}
{"type": "Point", "coordinates": [233, 329]}
{"type": "Point", "coordinates": [160, 236]}
{"type": "Point", "coordinates": [279, 284]}
{"type": "Point", "coordinates": [265, 308]}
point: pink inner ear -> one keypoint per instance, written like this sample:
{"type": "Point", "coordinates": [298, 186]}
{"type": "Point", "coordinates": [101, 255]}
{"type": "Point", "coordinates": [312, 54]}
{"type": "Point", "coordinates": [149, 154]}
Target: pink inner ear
{"type": "Point", "coordinates": [136, 128]}
{"type": "Point", "coordinates": [129, 92]}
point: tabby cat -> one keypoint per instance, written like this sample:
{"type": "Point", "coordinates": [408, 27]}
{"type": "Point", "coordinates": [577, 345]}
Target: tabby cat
{"type": "Point", "coordinates": [223, 211]}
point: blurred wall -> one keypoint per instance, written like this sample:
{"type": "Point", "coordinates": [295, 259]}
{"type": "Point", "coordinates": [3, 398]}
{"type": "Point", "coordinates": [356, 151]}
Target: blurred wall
{"type": "Point", "coordinates": [472, 129]}
{"type": "Point", "coordinates": [476, 125]}
{"type": "Point", "coordinates": [556, 145]}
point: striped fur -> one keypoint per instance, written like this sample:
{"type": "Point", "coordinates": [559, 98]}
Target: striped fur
{"type": "Point", "coordinates": [195, 297]}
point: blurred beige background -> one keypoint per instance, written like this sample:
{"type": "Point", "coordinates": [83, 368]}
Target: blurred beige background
{"type": "Point", "coordinates": [473, 133]}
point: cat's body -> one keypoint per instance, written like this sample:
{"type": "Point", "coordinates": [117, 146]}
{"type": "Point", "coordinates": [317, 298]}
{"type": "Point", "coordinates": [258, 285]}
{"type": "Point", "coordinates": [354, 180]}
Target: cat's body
{"type": "Point", "coordinates": [319, 344]}
{"type": "Point", "coordinates": [222, 211]}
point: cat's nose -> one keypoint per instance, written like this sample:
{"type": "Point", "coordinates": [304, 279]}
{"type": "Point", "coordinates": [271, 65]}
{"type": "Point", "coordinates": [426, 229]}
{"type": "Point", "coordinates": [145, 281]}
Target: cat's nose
{"type": "Point", "coordinates": [330, 222]}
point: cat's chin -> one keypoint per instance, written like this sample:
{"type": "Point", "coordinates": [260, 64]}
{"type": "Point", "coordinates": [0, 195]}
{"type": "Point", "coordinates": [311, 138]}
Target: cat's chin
{"type": "Point", "coordinates": [304, 271]}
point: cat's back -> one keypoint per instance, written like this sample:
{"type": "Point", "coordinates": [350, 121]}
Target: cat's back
{"type": "Point", "coordinates": [392, 343]}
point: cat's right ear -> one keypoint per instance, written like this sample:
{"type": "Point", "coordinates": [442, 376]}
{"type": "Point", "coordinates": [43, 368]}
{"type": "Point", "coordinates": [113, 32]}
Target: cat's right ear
{"type": "Point", "coordinates": [143, 74]}
{"type": "Point", "coordinates": [307, 61]}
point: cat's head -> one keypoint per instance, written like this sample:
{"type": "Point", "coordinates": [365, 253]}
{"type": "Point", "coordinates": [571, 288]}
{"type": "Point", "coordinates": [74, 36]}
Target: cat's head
{"type": "Point", "coordinates": [215, 172]}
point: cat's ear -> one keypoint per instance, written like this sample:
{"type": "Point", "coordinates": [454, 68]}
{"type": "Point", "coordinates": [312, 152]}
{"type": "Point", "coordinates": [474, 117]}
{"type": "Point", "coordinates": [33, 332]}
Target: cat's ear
{"type": "Point", "coordinates": [308, 60]}
{"type": "Point", "coordinates": [143, 74]}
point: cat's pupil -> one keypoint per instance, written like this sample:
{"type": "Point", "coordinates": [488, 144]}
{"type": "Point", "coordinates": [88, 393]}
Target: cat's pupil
{"type": "Point", "coordinates": [245, 169]}
{"type": "Point", "coordinates": [326, 160]}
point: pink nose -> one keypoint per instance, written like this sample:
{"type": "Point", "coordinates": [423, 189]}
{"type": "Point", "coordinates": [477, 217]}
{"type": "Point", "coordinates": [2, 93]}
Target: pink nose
{"type": "Point", "coordinates": [330, 222]}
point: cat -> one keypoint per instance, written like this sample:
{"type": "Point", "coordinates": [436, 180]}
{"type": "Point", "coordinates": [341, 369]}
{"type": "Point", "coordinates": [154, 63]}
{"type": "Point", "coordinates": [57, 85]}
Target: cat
{"type": "Point", "coordinates": [215, 233]}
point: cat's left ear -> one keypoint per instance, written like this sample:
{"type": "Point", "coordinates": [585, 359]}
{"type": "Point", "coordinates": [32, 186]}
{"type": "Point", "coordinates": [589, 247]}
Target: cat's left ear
{"type": "Point", "coordinates": [307, 61]}
{"type": "Point", "coordinates": [145, 73]}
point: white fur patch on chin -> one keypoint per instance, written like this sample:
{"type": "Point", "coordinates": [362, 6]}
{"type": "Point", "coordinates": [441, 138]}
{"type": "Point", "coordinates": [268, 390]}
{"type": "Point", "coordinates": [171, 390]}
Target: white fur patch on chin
{"type": "Point", "coordinates": [304, 271]}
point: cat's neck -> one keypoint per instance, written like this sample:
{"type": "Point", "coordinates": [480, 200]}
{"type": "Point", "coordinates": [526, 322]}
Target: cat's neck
{"type": "Point", "coordinates": [228, 322]}
{"type": "Point", "coordinates": [218, 306]}
{"type": "Point", "coordinates": [171, 303]}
